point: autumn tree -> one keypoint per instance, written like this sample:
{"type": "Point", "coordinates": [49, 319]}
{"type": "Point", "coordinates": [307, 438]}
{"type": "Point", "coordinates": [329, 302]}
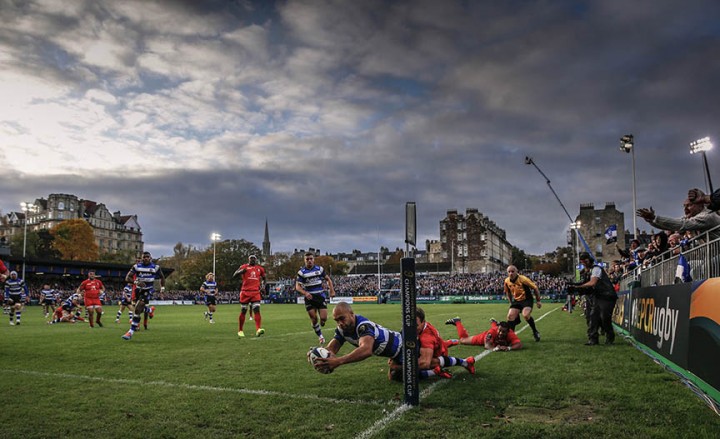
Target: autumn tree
{"type": "Point", "coordinates": [229, 255]}
{"type": "Point", "coordinates": [75, 241]}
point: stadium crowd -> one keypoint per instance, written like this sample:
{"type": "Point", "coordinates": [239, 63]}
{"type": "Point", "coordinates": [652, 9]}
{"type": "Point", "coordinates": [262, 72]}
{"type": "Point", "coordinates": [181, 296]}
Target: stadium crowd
{"type": "Point", "coordinates": [432, 285]}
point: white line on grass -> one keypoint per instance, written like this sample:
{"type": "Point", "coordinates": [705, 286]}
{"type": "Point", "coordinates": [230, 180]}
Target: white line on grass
{"type": "Point", "coordinates": [200, 387]}
{"type": "Point", "coordinates": [395, 414]}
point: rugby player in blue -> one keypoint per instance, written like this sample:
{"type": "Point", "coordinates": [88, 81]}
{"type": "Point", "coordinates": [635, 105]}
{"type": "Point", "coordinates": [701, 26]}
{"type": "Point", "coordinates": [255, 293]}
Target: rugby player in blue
{"type": "Point", "coordinates": [209, 288]}
{"type": "Point", "coordinates": [143, 275]}
{"type": "Point", "coordinates": [16, 294]}
{"type": "Point", "coordinates": [309, 283]}
{"type": "Point", "coordinates": [368, 337]}
{"type": "Point", "coordinates": [125, 302]}
{"type": "Point", "coordinates": [48, 299]}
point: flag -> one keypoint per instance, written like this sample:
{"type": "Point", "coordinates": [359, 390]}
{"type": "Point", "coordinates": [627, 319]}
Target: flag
{"type": "Point", "coordinates": [682, 272]}
{"type": "Point", "coordinates": [611, 234]}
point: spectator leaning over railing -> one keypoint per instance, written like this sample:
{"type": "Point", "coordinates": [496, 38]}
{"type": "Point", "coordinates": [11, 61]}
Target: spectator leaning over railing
{"type": "Point", "coordinates": [712, 201]}
{"type": "Point", "coordinates": [630, 256]}
{"type": "Point", "coordinates": [697, 218]}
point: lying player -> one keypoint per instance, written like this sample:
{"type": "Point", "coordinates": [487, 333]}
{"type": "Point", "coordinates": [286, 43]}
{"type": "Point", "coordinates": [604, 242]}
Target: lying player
{"type": "Point", "coordinates": [498, 338]}
{"type": "Point", "coordinates": [68, 312]}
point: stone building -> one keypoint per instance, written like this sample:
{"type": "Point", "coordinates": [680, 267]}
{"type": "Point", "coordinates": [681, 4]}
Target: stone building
{"type": "Point", "coordinates": [473, 243]}
{"type": "Point", "coordinates": [114, 232]}
{"type": "Point", "coordinates": [593, 225]}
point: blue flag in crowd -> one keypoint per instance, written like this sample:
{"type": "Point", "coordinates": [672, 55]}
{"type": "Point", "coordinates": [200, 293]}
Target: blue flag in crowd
{"type": "Point", "coordinates": [611, 234]}
{"type": "Point", "coordinates": [683, 269]}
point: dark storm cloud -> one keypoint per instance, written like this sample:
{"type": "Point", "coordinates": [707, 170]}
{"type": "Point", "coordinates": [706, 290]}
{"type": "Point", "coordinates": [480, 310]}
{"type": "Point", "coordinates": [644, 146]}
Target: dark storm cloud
{"type": "Point", "coordinates": [326, 117]}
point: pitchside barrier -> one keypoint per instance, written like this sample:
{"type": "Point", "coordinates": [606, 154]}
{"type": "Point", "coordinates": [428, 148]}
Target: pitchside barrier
{"type": "Point", "coordinates": [678, 325]}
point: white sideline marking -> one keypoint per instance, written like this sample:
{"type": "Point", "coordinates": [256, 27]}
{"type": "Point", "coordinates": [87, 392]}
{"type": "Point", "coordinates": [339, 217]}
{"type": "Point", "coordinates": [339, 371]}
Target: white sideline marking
{"type": "Point", "coordinates": [395, 414]}
{"type": "Point", "coordinates": [199, 387]}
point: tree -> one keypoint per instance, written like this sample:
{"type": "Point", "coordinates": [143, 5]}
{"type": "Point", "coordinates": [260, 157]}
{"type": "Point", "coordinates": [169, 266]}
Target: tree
{"type": "Point", "coordinates": [229, 255]}
{"type": "Point", "coordinates": [75, 241]}
{"type": "Point", "coordinates": [120, 257]}
{"type": "Point", "coordinates": [520, 259]}
{"type": "Point", "coordinates": [45, 249]}
{"type": "Point", "coordinates": [287, 267]}
{"type": "Point", "coordinates": [17, 241]}
{"type": "Point", "coordinates": [395, 257]}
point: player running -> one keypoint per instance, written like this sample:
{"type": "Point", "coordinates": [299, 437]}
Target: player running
{"type": "Point", "coordinates": [125, 303]}
{"type": "Point", "coordinates": [16, 294]}
{"type": "Point", "coordinates": [91, 290]}
{"type": "Point", "coordinates": [143, 274]}
{"type": "Point", "coordinates": [309, 283]}
{"type": "Point", "coordinates": [209, 288]}
{"type": "Point", "coordinates": [48, 298]}
{"type": "Point", "coordinates": [253, 280]}
{"type": "Point", "coordinates": [518, 288]}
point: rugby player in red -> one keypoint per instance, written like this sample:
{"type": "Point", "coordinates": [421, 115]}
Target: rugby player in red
{"type": "Point", "coordinates": [91, 288]}
{"type": "Point", "coordinates": [498, 338]}
{"type": "Point", "coordinates": [253, 280]}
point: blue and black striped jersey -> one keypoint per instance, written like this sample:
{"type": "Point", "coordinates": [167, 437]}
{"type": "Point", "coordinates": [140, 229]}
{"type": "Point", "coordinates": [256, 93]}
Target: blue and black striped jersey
{"type": "Point", "coordinates": [387, 343]}
{"type": "Point", "coordinates": [311, 279]}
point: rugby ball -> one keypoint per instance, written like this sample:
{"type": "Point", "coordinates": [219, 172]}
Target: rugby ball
{"type": "Point", "coordinates": [315, 353]}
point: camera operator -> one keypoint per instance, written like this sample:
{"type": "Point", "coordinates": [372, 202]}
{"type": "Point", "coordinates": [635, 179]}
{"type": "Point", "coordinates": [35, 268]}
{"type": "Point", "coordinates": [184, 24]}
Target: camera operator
{"type": "Point", "coordinates": [599, 289]}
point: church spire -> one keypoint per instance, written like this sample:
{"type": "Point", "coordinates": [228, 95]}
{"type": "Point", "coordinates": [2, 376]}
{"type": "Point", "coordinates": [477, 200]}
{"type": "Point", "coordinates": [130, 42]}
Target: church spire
{"type": "Point", "coordinates": [266, 241]}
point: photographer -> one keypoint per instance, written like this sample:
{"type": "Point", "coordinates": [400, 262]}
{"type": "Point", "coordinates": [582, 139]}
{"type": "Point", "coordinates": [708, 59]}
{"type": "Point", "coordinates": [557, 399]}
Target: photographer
{"type": "Point", "coordinates": [600, 289]}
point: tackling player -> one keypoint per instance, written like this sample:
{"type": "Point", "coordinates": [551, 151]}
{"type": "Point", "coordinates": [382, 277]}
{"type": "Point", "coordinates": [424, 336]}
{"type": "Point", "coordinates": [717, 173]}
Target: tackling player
{"type": "Point", "coordinates": [309, 283]}
{"type": "Point", "coordinates": [209, 288]}
{"type": "Point", "coordinates": [16, 294]}
{"type": "Point", "coordinates": [65, 312]}
{"type": "Point", "coordinates": [91, 289]}
{"type": "Point", "coordinates": [253, 280]}
{"type": "Point", "coordinates": [143, 275]}
{"type": "Point", "coordinates": [498, 338]}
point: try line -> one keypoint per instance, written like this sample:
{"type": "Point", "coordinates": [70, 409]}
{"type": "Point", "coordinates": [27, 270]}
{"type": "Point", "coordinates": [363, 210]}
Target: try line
{"type": "Point", "coordinates": [201, 387]}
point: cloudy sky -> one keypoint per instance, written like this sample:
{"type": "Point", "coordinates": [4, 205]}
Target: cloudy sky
{"type": "Point", "coordinates": [326, 117]}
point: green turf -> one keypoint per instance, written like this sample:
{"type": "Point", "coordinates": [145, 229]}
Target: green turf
{"type": "Point", "coordinates": [185, 378]}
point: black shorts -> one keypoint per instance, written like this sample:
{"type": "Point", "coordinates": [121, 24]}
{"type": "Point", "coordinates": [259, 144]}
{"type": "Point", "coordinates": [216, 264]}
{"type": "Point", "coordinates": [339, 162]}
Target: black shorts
{"type": "Point", "coordinates": [143, 295]}
{"type": "Point", "coordinates": [125, 301]}
{"type": "Point", "coordinates": [316, 302]}
{"type": "Point", "coordinates": [527, 303]}
{"type": "Point", "coordinates": [210, 300]}
{"type": "Point", "coordinates": [15, 299]}
{"type": "Point", "coordinates": [48, 302]}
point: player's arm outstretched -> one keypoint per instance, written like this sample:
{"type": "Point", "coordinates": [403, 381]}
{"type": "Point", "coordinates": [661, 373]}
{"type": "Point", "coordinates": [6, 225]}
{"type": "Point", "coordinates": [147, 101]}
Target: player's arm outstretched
{"type": "Point", "coordinates": [363, 351]}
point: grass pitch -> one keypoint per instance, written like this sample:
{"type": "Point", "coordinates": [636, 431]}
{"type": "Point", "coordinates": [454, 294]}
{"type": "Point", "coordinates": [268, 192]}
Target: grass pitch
{"type": "Point", "coordinates": [186, 378]}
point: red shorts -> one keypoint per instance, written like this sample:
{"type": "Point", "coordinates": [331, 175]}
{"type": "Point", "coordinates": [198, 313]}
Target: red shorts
{"type": "Point", "coordinates": [92, 302]}
{"type": "Point", "coordinates": [250, 296]}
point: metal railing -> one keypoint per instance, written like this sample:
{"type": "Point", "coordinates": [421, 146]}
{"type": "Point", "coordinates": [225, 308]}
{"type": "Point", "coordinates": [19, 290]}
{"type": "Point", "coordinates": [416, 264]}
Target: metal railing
{"type": "Point", "coordinates": [702, 254]}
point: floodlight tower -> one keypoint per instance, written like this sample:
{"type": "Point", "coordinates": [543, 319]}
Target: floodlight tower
{"type": "Point", "coordinates": [215, 237]}
{"type": "Point", "coordinates": [627, 144]}
{"type": "Point", "coordinates": [703, 145]}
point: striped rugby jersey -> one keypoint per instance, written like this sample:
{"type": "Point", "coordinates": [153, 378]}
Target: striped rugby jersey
{"type": "Point", "coordinates": [311, 279]}
{"type": "Point", "coordinates": [147, 274]}
{"type": "Point", "coordinates": [15, 287]}
{"type": "Point", "coordinates": [387, 343]}
{"type": "Point", "coordinates": [210, 288]}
